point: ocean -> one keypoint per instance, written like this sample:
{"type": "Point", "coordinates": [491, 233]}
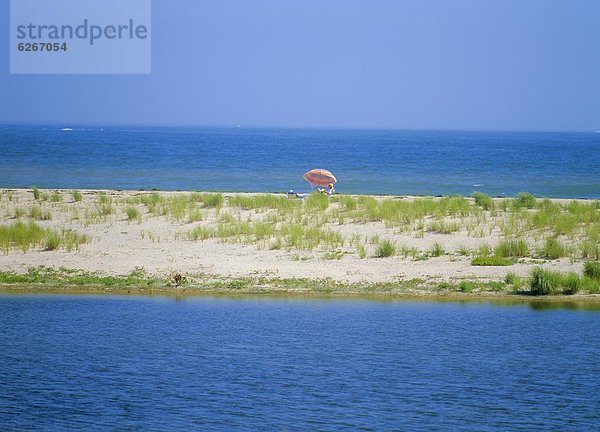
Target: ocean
{"type": "Point", "coordinates": [397, 162]}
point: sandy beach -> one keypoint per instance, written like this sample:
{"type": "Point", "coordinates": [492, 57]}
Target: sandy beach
{"type": "Point", "coordinates": [199, 235]}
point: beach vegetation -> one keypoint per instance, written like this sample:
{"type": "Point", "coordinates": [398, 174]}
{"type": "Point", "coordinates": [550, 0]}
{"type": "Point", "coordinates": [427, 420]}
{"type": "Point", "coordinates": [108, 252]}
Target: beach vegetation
{"type": "Point", "coordinates": [553, 249]}
{"type": "Point", "coordinates": [466, 286]}
{"type": "Point", "coordinates": [19, 212]}
{"type": "Point", "coordinates": [491, 260]}
{"type": "Point", "coordinates": [105, 209]}
{"type": "Point", "coordinates": [317, 202]}
{"type": "Point", "coordinates": [36, 193]}
{"type": "Point", "coordinates": [484, 250]}
{"type": "Point", "coordinates": [408, 251]}
{"type": "Point", "coordinates": [333, 255]}
{"type": "Point", "coordinates": [436, 250]}
{"type": "Point", "coordinates": [547, 282]}
{"type": "Point", "coordinates": [56, 197]}
{"type": "Point", "coordinates": [38, 213]}
{"type": "Point", "coordinates": [76, 195]}
{"type": "Point", "coordinates": [282, 204]}
{"type": "Point", "coordinates": [194, 215]}
{"type": "Point", "coordinates": [463, 250]}
{"type": "Point", "coordinates": [589, 249]}
{"type": "Point", "coordinates": [591, 269]}
{"type": "Point", "coordinates": [210, 200]}
{"type": "Point", "coordinates": [515, 281]}
{"type": "Point", "coordinates": [361, 250]}
{"type": "Point", "coordinates": [443, 227]}
{"type": "Point", "coordinates": [103, 198]}
{"type": "Point", "coordinates": [524, 200]}
{"type": "Point", "coordinates": [385, 248]}
{"type": "Point", "coordinates": [512, 248]}
{"type": "Point", "coordinates": [27, 236]}
{"type": "Point", "coordinates": [347, 203]}
{"type": "Point", "coordinates": [70, 277]}
{"type": "Point", "coordinates": [52, 241]}
{"type": "Point", "coordinates": [483, 200]}
{"type": "Point", "coordinates": [133, 214]}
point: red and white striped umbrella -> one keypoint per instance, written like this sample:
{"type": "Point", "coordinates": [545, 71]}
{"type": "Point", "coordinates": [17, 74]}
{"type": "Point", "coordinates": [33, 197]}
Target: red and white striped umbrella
{"type": "Point", "coordinates": [319, 177]}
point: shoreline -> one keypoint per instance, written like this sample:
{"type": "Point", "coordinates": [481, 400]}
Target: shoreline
{"type": "Point", "coordinates": [584, 302]}
{"type": "Point", "coordinates": [263, 243]}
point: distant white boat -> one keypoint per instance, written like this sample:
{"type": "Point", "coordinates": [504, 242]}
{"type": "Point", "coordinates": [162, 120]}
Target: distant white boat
{"type": "Point", "coordinates": [66, 129]}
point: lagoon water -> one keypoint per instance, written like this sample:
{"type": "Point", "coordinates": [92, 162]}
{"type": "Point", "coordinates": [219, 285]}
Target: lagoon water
{"type": "Point", "coordinates": [141, 363]}
{"type": "Point", "coordinates": [259, 160]}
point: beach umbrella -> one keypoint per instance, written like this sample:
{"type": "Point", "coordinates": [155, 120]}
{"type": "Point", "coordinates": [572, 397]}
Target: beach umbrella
{"type": "Point", "coordinates": [319, 177]}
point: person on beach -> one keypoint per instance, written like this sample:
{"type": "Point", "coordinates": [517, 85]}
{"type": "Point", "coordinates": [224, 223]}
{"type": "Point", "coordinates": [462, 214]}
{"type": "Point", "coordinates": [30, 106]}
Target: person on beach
{"type": "Point", "coordinates": [330, 190]}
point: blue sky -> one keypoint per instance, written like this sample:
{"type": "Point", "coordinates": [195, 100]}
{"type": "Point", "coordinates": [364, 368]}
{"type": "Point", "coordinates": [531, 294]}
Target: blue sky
{"type": "Point", "coordinates": [421, 64]}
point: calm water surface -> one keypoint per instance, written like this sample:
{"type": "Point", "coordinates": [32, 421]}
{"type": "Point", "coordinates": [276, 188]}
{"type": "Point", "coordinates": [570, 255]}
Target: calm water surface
{"type": "Point", "coordinates": [135, 363]}
{"type": "Point", "coordinates": [260, 160]}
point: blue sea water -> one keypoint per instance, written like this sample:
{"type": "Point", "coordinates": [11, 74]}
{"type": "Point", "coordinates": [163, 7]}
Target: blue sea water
{"type": "Point", "coordinates": [71, 363]}
{"type": "Point", "coordinates": [254, 160]}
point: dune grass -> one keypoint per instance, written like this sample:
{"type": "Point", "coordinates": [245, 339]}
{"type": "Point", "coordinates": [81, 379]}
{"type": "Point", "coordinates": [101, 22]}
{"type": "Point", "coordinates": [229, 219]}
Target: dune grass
{"type": "Point", "coordinates": [38, 213]}
{"type": "Point", "coordinates": [524, 200]}
{"type": "Point", "coordinates": [527, 227]}
{"type": "Point", "coordinates": [385, 248]}
{"type": "Point", "coordinates": [436, 250]}
{"type": "Point", "coordinates": [491, 261]}
{"type": "Point", "coordinates": [546, 282]}
{"type": "Point", "coordinates": [27, 236]}
{"type": "Point", "coordinates": [515, 281]}
{"type": "Point", "coordinates": [512, 248]}
{"type": "Point", "coordinates": [19, 212]}
{"type": "Point", "coordinates": [76, 195]}
{"type": "Point", "coordinates": [591, 269]}
{"type": "Point", "coordinates": [483, 200]}
{"type": "Point", "coordinates": [133, 214]}
{"type": "Point", "coordinates": [62, 276]}
{"type": "Point", "coordinates": [263, 202]}
{"type": "Point", "coordinates": [553, 249]}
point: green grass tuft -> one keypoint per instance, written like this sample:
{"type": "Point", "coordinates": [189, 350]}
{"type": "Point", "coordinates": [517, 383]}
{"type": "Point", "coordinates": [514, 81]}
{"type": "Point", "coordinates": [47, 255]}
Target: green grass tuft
{"type": "Point", "coordinates": [386, 248]}
{"type": "Point", "coordinates": [52, 241]}
{"type": "Point", "coordinates": [210, 200]}
{"type": "Point", "coordinates": [483, 200]}
{"type": "Point", "coordinates": [436, 250]}
{"type": "Point", "coordinates": [19, 212]}
{"type": "Point", "coordinates": [37, 213]}
{"type": "Point", "coordinates": [525, 200]}
{"type": "Point", "coordinates": [592, 270]}
{"type": "Point", "coordinates": [514, 280]}
{"type": "Point", "coordinates": [317, 202]}
{"type": "Point", "coordinates": [545, 282]}
{"type": "Point", "coordinates": [553, 249]}
{"type": "Point", "coordinates": [491, 261]}
{"type": "Point", "coordinates": [133, 214]}
{"type": "Point", "coordinates": [512, 248]}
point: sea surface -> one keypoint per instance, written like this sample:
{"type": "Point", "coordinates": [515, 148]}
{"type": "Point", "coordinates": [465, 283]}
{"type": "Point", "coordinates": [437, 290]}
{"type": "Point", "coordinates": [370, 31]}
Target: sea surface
{"type": "Point", "coordinates": [260, 160]}
{"type": "Point", "coordinates": [70, 363]}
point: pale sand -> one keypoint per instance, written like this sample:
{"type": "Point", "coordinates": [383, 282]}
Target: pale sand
{"type": "Point", "coordinates": [118, 246]}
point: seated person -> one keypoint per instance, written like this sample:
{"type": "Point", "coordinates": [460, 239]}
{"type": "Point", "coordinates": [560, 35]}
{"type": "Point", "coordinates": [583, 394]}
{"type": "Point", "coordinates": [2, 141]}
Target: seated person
{"type": "Point", "coordinates": [330, 190]}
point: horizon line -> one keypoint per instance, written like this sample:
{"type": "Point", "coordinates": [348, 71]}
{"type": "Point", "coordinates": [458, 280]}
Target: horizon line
{"type": "Point", "coordinates": [285, 127]}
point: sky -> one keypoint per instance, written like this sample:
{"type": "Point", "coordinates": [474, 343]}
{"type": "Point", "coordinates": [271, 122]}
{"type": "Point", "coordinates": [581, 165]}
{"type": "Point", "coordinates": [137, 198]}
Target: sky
{"type": "Point", "coordinates": [408, 64]}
